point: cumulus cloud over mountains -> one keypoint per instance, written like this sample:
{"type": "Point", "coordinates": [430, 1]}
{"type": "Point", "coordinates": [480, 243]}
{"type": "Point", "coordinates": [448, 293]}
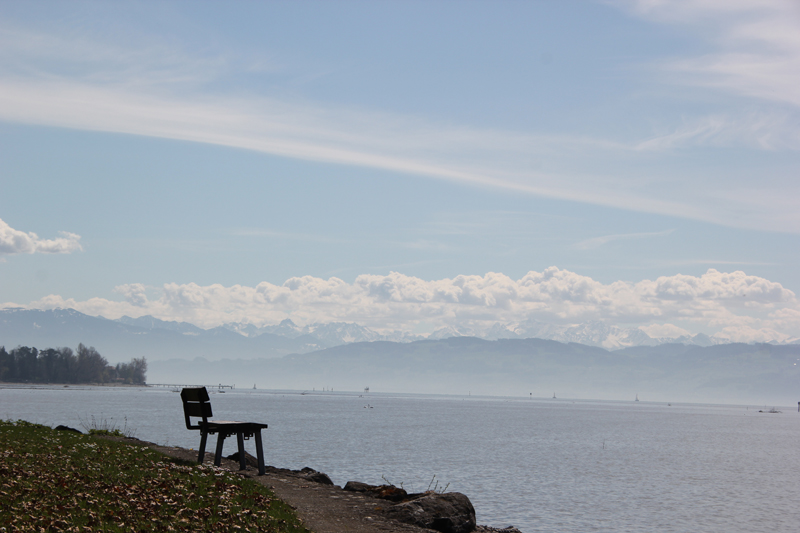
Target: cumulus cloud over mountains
{"type": "Point", "coordinates": [729, 306]}
{"type": "Point", "coordinates": [14, 241]}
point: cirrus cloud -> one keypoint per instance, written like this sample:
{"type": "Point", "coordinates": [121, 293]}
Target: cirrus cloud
{"type": "Point", "coordinates": [160, 89]}
{"type": "Point", "coordinates": [756, 48]}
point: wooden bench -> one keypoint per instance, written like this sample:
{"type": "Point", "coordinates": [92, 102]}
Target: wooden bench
{"type": "Point", "coordinates": [197, 404]}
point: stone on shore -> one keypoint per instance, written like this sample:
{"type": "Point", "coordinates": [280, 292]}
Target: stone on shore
{"type": "Point", "coordinates": [317, 477]}
{"type": "Point", "coordinates": [384, 492]}
{"type": "Point", "coordinates": [306, 473]}
{"type": "Point", "coordinates": [449, 513]}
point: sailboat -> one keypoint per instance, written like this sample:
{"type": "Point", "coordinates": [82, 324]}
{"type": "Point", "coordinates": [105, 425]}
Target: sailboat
{"type": "Point", "coordinates": [554, 395]}
{"type": "Point", "coordinates": [637, 398]}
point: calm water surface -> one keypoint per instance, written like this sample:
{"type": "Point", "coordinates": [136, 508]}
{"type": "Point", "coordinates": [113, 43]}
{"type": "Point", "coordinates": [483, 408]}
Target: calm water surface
{"type": "Point", "coordinates": [541, 465]}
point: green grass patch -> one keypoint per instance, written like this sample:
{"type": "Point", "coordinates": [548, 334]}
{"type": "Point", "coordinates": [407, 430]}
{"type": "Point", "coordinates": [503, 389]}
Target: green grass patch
{"type": "Point", "coordinates": [106, 427]}
{"type": "Point", "coordinates": [63, 481]}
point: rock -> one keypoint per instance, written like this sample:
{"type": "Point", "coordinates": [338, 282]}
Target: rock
{"type": "Point", "coordinates": [357, 486]}
{"type": "Point", "coordinates": [248, 459]}
{"type": "Point", "coordinates": [67, 428]}
{"type": "Point", "coordinates": [317, 477]}
{"type": "Point", "coordinates": [391, 493]}
{"type": "Point", "coordinates": [384, 492]}
{"type": "Point", "coordinates": [306, 473]}
{"type": "Point", "coordinates": [488, 529]}
{"type": "Point", "coordinates": [449, 513]}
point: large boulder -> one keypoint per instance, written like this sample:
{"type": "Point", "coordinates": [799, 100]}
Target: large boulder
{"type": "Point", "coordinates": [449, 513]}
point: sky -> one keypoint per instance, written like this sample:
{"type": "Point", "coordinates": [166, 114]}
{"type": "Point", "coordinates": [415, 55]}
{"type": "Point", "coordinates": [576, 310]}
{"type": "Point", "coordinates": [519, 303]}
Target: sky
{"type": "Point", "coordinates": [407, 165]}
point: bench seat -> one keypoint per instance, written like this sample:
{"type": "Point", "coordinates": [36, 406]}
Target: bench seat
{"type": "Point", "coordinates": [196, 404]}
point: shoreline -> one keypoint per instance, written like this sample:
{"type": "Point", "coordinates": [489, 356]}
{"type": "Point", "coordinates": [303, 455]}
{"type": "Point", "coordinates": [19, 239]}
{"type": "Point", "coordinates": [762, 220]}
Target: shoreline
{"type": "Point", "coordinates": [788, 407]}
{"type": "Point", "coordinates": [323, 508]}
{"type": "Point", "coordinates": [42, 385]}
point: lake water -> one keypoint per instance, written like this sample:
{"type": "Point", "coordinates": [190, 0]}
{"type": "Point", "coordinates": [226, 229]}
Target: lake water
{"type": "Point", "coordinates": [540, 465]}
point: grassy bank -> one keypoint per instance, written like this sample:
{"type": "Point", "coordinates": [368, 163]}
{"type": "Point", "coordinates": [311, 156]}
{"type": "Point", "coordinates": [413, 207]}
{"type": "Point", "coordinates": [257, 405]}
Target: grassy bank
{"type": "Point", "coordinates": [63, 481]}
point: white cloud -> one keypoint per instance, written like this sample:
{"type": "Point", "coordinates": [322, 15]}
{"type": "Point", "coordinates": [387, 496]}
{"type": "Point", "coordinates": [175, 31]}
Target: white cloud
{"type": "Point", "coordinates": [786, 318]}
{"type": "Point", "coordinates": [734, 305]}
{"type": "Point", "coordinates": [134, 293]}
{"type": "Point", "coordinates": [14, 241]}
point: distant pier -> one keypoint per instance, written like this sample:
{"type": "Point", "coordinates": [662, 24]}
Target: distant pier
{"type": "Point", "coordinates": [178, 386]}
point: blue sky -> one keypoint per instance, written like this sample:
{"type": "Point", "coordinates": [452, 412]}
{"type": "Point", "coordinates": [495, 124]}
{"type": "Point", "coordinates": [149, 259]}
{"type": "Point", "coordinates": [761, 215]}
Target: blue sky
{"type": "Point", "coordinates": [405, 165]}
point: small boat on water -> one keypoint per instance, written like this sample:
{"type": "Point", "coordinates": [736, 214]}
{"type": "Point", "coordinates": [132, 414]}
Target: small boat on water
{"type": "Point", "coordinates": [637, 398]}
{"type": "Point", "coordinates": [554, 395]}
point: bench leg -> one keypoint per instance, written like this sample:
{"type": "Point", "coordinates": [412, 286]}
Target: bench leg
{"type": "Point", "coordinates": [240, 444]}
{"type": "Point", "coordinates": [218, 455]}
{"type": "Point", "coordinates": [202, 454]}
{"type": "Point", "coordinates": [260, 454]}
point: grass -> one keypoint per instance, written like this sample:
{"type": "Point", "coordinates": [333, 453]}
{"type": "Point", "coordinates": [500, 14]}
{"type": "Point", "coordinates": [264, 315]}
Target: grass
{"type": "Point", "coordinates": [436, 488]}
{"type": "Point", "coordinates": [63, 481]}
{"type": "Point", "coordinates": [106, 427]}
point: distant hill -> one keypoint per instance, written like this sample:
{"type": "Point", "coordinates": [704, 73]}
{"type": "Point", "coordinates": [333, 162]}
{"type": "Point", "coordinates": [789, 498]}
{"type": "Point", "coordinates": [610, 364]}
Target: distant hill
{"type": "Point", "coordinates": [320, 356]}
{"type": "Point", "coordinates": [120, 340]}
{"type": "Point", "coordinates": [127, 337]}
{"type": "Point", "coordinates": [733, 373]}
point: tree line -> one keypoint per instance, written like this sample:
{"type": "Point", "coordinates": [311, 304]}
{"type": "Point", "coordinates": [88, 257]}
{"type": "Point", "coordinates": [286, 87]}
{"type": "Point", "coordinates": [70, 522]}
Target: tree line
{"type": "Point", "coordinates": [62, 365]}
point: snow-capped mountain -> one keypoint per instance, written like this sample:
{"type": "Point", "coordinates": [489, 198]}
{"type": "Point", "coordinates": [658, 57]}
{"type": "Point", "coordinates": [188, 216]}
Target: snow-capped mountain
{"type": "Point", "coordinates": [332, 334]}
{"type": "Point", "coordinates": [590, 333]}
{"type": "Point", "coordinates": [168, 339]}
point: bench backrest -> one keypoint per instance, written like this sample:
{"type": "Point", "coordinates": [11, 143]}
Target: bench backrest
{"type": "Point", "coordinates": [196, 403]}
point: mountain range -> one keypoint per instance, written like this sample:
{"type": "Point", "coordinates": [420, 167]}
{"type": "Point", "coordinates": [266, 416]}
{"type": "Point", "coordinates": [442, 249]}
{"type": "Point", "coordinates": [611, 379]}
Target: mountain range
{"type": "Point", "coordinates": [350, 357]}
{"type": "Point", "coordinates": [757, 374]}
{"type": "Point", "coordinates": [160, 339]}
